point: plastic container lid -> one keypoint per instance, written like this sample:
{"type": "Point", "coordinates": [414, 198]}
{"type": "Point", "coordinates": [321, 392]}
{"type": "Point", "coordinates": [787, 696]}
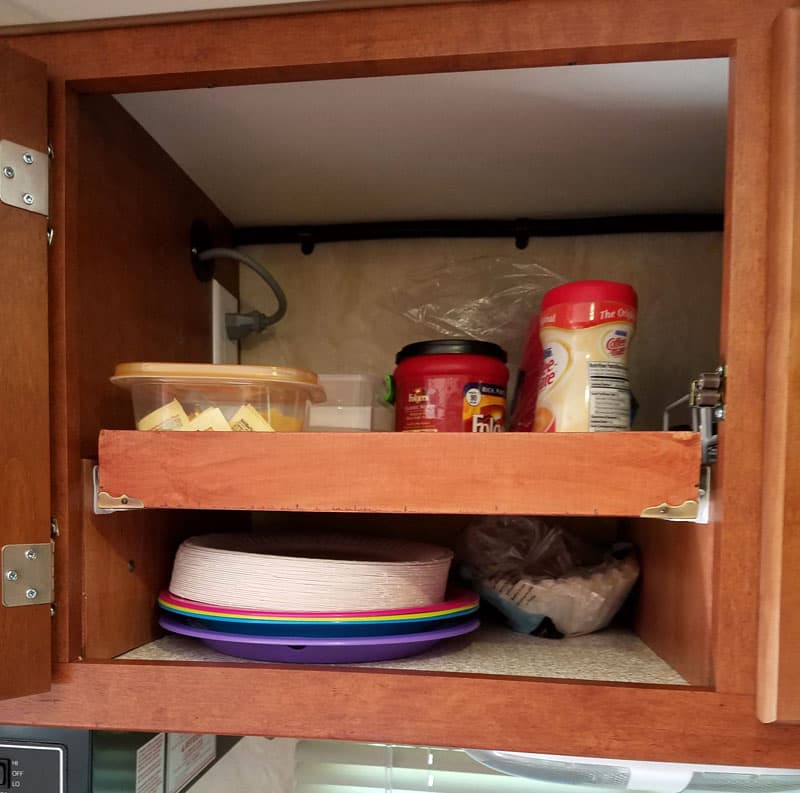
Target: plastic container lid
{"type": "Point", "coordinates": [591, 292]}
{"type": "Point", "coordinates": [126, 374]}
{"type": "Point", "coordinates": [452, 347]}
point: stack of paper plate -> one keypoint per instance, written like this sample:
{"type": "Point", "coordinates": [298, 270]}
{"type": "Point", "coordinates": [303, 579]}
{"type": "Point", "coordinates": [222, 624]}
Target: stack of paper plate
{"type": "Point", "coordinates": [315, 599]}
{"type": "Point", "coordinates": [309, 573]}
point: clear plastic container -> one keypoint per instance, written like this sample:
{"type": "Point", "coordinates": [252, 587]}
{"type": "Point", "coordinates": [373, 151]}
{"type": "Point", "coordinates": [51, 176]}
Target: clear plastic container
{"type": "Point", "coordinates": [354, 403]}
{"type": "Point", "coordinates": [209, 397]}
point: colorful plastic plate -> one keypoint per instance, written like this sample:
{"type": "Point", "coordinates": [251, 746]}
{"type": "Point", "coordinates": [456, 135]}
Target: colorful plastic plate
{"type": "Point", "coordinates": [342, 630]}
{"type": "Point", "coordinates": [459, 603]}
{"type": "Point", "coordinates": [301, 650]}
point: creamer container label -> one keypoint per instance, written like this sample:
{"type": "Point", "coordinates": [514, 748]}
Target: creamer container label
{"type": "Point", "coordinates": [587, 315]}
{"type": "Point", "coordinates": [557, 359]}
{"type": "Point", "coordinates": [609, 397]}
{"type": "Point", "coordinates": [484, 407]}
{"type": "Point", "coordinates": [584, 383]}
{"type": "Point", "coordinates": [615, 342]}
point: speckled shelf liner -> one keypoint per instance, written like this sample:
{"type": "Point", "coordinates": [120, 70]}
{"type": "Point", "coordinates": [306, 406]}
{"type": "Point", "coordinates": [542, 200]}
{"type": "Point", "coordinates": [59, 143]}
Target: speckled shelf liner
{"type": "Point", "coordinates": [614, 655]}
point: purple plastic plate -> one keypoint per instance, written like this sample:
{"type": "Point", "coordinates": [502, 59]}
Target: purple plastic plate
{"type": "Point", "coordinates": [328, 650]}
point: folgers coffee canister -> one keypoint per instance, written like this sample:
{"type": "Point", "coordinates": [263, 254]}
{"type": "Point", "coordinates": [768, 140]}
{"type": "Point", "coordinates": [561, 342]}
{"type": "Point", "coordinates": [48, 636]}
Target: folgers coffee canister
{"type": "Point", "coordinates": [585, 328]}
{"type": "Point", "coordinates": [451, 385]}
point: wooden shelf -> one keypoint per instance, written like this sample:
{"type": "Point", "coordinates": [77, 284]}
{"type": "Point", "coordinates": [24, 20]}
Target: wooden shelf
{"type": "Point", "coordinates": [614, 474]}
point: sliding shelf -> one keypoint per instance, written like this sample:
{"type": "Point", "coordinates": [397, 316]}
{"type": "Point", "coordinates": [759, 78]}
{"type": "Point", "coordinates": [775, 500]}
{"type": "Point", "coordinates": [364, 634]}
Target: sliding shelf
{"type": "Point", "coordinates": [654, 474]}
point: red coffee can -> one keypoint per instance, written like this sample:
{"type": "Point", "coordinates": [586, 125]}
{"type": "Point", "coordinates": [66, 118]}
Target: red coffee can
{"type": "Point", "coordinates": [451, 385]}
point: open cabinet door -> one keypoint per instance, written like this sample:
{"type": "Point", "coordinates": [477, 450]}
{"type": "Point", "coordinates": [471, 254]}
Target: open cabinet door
{"type": "Point", "coordinates": [779, 624]}
{"type": "Point", "coordinates": [25, 633]}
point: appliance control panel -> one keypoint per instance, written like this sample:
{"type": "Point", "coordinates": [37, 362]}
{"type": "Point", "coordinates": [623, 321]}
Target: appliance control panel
{"type": "Point", "coordinates": [32, 768]}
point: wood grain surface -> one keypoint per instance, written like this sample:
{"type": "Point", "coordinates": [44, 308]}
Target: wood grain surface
{"type": "Point", "coordinates": [138, 298]}
{"type": "Point", "coordinates": [64, 314]}
{"type": "Point", "coordinates": [737, 489]}
{"type": "Point", "coordinates": [674, 606]}
{"type": "Point", "coordinates": [128, 293]}
{"type": "Point", "coordinates": [405, 40]}
{"type": "Point", "coordinates": [513, 473]}
{"type": "Point", "coordinates": [25, 640]}
{"type": "Point", "coordinates": [434, 709]}
{"type": "Point", "coordinates": [127, 560]}
{"type": "Point", "coordinates": [779, 656]}
{"type": "Point", "coordinates": [557, 717]}
{"type": "Point", "coordinates": [121, 210]}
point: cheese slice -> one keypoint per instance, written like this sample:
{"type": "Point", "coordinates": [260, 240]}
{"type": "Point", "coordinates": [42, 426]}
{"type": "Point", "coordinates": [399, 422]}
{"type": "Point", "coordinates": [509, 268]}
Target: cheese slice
{"type": "Point", "coordinates": [248, 419]}
{"type": "Point", "coordinates": [210, 420]}
{"type": "Point", "coordinates": [171, 416]}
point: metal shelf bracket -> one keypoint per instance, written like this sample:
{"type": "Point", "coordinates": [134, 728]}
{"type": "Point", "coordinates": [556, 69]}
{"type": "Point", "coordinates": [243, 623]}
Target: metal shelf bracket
{"type": "Point", "coordinates": [105, 504]}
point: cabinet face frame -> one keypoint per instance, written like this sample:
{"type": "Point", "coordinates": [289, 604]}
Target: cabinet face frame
{"type": "Point", "coordinates": [420, 39]}
{"type": "Point", "coordinates": [779, 639]}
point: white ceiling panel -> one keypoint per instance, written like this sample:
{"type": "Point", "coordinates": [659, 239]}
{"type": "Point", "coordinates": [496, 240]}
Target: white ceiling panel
{"type": "Point", "coordinates": [549, 142]}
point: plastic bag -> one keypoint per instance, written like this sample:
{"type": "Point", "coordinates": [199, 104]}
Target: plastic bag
{"type": "Point", "coordinates": [531, 571]}
{"type": "Point", "coordinates": [489, 298]}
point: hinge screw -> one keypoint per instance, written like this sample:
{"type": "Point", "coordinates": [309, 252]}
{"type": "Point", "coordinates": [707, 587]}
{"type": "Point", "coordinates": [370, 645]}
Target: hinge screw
{"type": "Point", "coordinates": [31, 594]}
{"type": "Point", "coordinates": [12, 575]}
{"type": "Point", "coordinates": [8, 172]}
{"type": "Point", "coordinates": [31, 554]}
{"type": "Point", "coordinates": [27, 158]}
{"type": "Point", "coordinates": [27, 198]}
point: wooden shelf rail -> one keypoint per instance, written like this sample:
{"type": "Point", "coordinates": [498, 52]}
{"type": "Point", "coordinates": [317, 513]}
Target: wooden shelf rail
{"type": "Point", "coordinates": [614, 474]}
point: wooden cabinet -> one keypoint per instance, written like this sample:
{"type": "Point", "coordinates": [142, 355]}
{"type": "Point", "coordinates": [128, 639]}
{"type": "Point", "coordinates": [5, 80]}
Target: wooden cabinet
{"type": "Point", "coordinates": [121, 210]}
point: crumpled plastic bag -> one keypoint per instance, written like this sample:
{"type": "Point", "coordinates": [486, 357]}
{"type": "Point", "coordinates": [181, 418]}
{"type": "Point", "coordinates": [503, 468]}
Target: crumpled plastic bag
{"type": "Point", "coordinates": [531, 571]}
{"type": "Point", "coordinates": [488, 298]}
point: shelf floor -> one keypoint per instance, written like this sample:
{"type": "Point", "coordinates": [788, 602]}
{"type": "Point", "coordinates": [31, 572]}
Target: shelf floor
{"type": "Point", "coordinates": [613, 655]}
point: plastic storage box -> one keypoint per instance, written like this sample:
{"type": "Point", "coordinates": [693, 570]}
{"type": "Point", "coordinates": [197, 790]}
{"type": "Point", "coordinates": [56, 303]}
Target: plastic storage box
{"type": "Point", "coordinates": [354, 403]}
{"type": "Point", "coordinates": [209, 397]}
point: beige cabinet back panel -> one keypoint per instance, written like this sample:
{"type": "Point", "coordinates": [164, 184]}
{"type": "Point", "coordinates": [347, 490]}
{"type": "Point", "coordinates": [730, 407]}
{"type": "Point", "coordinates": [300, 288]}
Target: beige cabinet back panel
{"type": "Point", "coordinates": [347, 301]}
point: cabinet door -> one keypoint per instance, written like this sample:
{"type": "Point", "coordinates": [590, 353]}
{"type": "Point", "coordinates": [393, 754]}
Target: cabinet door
{"type": "Point", "coordinates": [779, 641]}
{"type": "Point", "coordinates": [25, 632]}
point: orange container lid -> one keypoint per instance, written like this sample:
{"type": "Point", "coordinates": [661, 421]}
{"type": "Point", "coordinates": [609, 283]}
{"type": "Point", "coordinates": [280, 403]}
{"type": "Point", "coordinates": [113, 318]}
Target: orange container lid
{"type": "Point", "coordinates": [128, 374]}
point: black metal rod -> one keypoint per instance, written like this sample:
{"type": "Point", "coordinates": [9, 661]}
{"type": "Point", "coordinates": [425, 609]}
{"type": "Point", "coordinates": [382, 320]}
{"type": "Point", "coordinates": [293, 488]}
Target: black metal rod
{"type": "Point", "coordinates": [520, 230]}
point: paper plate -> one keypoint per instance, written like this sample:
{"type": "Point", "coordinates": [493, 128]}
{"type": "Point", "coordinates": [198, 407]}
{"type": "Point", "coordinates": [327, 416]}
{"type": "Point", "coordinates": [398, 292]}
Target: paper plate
{"type": "Point", "coordinates": [458, 602]}
{"type": "Point", "coordinates": [315, 650]}
{"type": "Point", "coordinates": [312, 572]}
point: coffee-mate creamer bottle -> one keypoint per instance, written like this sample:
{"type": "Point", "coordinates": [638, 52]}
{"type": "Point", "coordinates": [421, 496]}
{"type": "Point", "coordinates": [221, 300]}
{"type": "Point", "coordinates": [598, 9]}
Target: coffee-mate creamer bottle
{"type": "Point", "coordinates": [585, 328]}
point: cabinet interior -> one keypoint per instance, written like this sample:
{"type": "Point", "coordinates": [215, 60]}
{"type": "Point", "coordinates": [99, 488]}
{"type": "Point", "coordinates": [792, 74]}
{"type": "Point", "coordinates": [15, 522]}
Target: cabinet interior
{"type": "Point", "coordinates": [135, 297]}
